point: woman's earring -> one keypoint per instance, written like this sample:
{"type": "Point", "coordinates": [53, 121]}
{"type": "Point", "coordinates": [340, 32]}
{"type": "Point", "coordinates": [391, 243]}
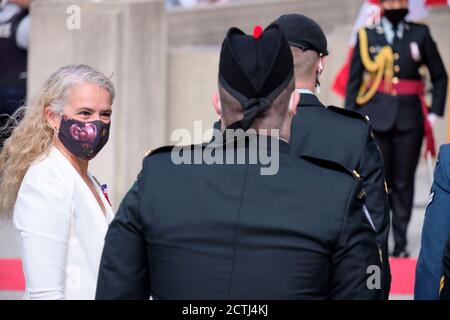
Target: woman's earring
{"type": "Point", "coordinates": [55, 133]}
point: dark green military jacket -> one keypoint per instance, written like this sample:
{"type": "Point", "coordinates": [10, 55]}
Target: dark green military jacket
{"type": "Point", "coordinates": [225, 231]}
{"type": "Point", "coordinates": [345, 137]}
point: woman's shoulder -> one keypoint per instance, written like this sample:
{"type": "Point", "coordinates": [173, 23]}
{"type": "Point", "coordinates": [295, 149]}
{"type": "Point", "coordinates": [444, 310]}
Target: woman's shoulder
{"type": "Point", "coordinates": [49, 167]}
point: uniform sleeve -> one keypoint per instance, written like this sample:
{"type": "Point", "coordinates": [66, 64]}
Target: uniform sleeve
{"type": "Point", "coordinates": [355, 262]}
{"type": "Point", "coordinates": [435, 232]}
{"type": "Point", "coordinates": [124, 269]}
{"type": "Point", "coordinates": [372, 171]}
{"type": "Point", "coordinates": [354, 79]}
{"type": "Point", "coordinates": [42, 219]}
{"type": "Point", "coordinates": [377, 203]}
{"type": "Point", "coordinates": [439, 77]}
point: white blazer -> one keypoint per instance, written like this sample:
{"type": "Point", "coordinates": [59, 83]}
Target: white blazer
{"type": "Point", "coordinates": [60, 230]}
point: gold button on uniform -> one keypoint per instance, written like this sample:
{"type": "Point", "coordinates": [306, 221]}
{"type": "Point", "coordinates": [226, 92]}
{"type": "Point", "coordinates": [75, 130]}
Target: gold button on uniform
{"type": "Point", "coordinates": [361, 196]}
{"type": "Point", "coordinates": [397, 69]}
{"type": "Point", "coordinates": [395, 80]}
{"type": "Point", "coordinates": [396, 56]}
{"type": "Point", "coordinates": [372, 50]}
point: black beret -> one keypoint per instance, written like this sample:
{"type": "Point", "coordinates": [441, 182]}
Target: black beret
{"type": "Point", "coordinates": [303, 32]}
{"type": "Point", "coordinates": [255, 69]}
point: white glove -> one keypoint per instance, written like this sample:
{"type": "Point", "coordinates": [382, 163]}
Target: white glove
{"type": "Point", "coordinates": [432, 118]}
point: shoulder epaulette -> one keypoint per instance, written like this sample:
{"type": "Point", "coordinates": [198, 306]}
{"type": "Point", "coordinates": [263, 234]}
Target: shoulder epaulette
{"type": "Point", "coordinates": [423, 27]}
{"type": "Point", "coordinates": [349, 113]}
{"type": "Point", "coordinates": [364, 28]}
{"type": "Point", "coordinates": [152, 152]}
{"type": "Point", "coordinates": [333, 165]}
{"type": "Point", "coordinates": [417, 23]}
{"type": "Point", "coordinates": [336, 166]}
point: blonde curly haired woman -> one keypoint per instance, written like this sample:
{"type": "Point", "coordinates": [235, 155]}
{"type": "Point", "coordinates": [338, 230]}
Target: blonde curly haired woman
{"type": "Point", "coordinates": [58, 208]}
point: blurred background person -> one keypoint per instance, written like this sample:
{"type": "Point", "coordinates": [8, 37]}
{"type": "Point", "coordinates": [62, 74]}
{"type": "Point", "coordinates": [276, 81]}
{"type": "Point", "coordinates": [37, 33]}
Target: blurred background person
{"type": "Point", "coordinates": [14, 32]}
{"type": "Point", "coordinates": [385, 84]}
{"type": "Point", "coordinates": [60, 211]}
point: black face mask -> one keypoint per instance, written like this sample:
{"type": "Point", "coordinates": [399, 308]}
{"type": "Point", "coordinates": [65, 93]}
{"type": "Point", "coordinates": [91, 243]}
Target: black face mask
{"type": "Point", "coordinates": [83, 139]}
{"type": "Point", "coordinates": [396, 15]}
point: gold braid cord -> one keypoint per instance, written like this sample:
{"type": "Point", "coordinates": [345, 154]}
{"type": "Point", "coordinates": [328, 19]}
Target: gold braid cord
{"type": "Point", "coordinates": [383, 65]}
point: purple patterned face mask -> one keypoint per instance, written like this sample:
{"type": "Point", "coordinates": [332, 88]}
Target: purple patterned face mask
{"type": "Point", "coordinates": [83, 139]}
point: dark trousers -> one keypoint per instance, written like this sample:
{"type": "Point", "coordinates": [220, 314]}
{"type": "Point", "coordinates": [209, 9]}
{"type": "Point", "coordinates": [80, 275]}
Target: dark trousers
{"type": "Point", "coordinates": [401, 152]}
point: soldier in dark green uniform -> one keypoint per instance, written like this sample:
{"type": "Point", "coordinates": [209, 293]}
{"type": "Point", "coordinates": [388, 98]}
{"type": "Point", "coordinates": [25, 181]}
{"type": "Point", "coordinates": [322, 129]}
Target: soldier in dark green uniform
{"type": "Point", "coordinates": [334, 133]}
{"type": "Point", "coordinates": [227, 231]}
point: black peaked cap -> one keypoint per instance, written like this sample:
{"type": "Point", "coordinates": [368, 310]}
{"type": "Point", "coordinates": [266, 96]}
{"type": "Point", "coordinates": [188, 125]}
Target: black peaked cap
{"type": "Point", "coordinates": [303, 32]}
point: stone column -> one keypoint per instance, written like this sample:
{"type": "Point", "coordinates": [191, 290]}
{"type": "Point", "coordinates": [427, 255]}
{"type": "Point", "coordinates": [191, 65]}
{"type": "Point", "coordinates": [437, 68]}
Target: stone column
{"type": "Point", "coordinates": [122, 38]}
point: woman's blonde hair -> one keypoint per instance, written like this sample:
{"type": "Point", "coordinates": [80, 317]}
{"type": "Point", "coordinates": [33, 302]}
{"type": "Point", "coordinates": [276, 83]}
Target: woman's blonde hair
{"type": "Point", "coordinates": [31, 135]}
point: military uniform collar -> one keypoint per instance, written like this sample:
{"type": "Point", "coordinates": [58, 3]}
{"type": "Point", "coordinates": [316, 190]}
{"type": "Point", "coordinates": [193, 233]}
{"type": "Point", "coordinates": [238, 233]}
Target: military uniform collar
{"type": "Point", "coordinates": [284, 146]}
{"type": "Point", "coordinates": [304, 91]}
{"type": "Point", "coordinates": [281, 146]}
{"type": "Point", "coordinates": [388, 29]}
{"type": "Point", "coordinates": [309, 99]}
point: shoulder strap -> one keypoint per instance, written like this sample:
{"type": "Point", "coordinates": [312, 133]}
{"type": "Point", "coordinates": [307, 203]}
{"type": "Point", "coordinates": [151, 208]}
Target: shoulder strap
{"type": "Point", "coordinates": [348, 113]}
{"type": "Point", "coordinates": [333, 165]}
{"type": "Point", "coordinates": [162, 149]}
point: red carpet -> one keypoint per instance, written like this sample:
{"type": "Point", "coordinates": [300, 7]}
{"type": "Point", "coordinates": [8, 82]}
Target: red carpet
{"type": "Point", "coordinates": [403, 274]}
{"type": "Point", "coordinates": [11, 275]}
